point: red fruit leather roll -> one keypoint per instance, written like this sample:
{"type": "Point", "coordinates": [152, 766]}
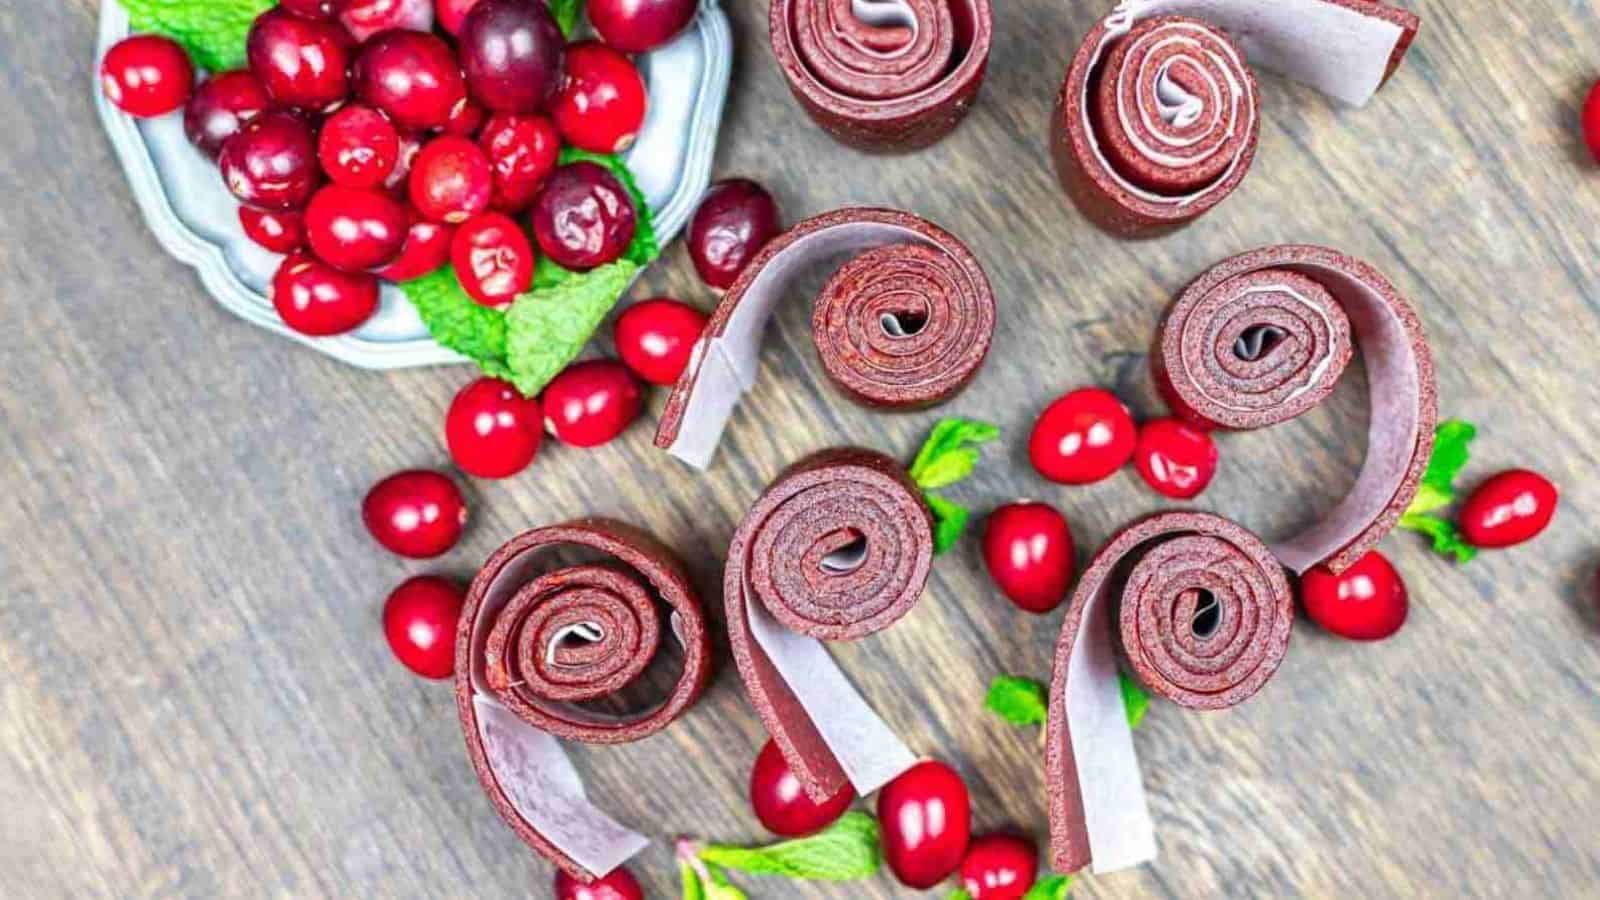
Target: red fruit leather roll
{"type": "Point", "coordinates": [1158, 116]}
{"type": "Point", "coordinates": [904, 323]}
{"type": "Point", "coordinates": [539, 636]}
{"type": "Point", "coordinates": [883, 75]}
{"type": "Point", "coordinates": [838, 548]}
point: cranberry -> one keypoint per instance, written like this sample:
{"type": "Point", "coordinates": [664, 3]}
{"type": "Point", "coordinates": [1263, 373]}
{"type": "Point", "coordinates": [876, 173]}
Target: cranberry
{"type": "Point", "coordinates": [639, 25]}
{"type": "Point", "coordinates": [926, 820]}
{"type": "Point", "coordinates": [1083, 437]}
{"type": "Point", "coordinates": [301, 62]}
{"type": "Point", "coordinates": [453, 13]}
{"type": "Point", "coordinates": [319, 10]}
{"type": "Point", "coordinates": [619, 884]}
{"type": "Point", "coordinates": [419, 619]}
{"type": "Point", "coordinates": [450, 180]}
{"type": "Point", "coordinates": [147, 75]}
{"type": "Point", "coordinates": [355, 229]}
{"type": "Point", "coordinates": [220, 106]}
{"type": "Point", "coordinates": [465, 121]}
{"type": "Point", "coordinates": [734, 221]}
{"type": "Point", "coordinates": [272, 162]}
{"type": "Point", "coordinates": [399, 180]}
{"type": "Point", "coordinates": [1028, 550]}
{"type": "Point", "coordinates": [418, 513]}
{"type": "Point", "coordinates": [412, 76]}
{"type": "Point", "coordinates": [602, 102]}
{"type": "Point", "coordinates": [591, 402]}
{"type": "Point", "coordinates": [1175, 458]}
{"type": "Point", "coordinates": [316, 299]}
{"type": "Point", "coordinates": [493, 259]}
{"type": "Point", "coordinates": [656, 337]}
{"type": "Point", "coordinates": [511, 51]}
{"type": "Point", "coordinates": [1368, 602]}
{"type": "Point", "coordinates": [999, 867]}
{"type": "Point", "coordinates": [522, 152]}
{"type": "Point", "coordinates": [583, 216]}
{"type": "Point", "coordinates": [493, 431]}
{"type": "Point", "coordinates": [280, 232]}
{"type": "Point", "coordinates": [781, 803]}
{"type": "Point", "coordinates": [365, 18]}
{"type": "Point", "coordinates": [358, 147]}
{"type": "Point", "coordinates": [1510, 508]}
{"type": "Point", "coordinates": [427, 247]}
{"type": "Point", "coordinates": [1591, 121]}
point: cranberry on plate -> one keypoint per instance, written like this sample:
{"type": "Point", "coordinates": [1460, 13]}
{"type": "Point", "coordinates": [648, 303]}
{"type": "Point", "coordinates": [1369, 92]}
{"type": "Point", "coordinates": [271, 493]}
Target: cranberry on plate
{"type": "Point", "coordinates": [1083, 437]}
{"type": "Point", "coordinates": [655, 338]}
{"type": "Point", "coordinates": [419, 621]}
{"type": "Point", "coordinates": [1368, 602]}
{"type": "Point", "coordinates": [522, 152]}
{"type": "Point", "coordinates": [427, 247]}
{"type": "Point", "coordinates": [411, 76]}
{"type": "Point", "coordinates": [1028, 550]}
{"type": "Point", "coordinates": [619, 884]}
{"type": "Point", "coordinates": [316, 299]}
{"type": "Point", "coordinates": [1511, 507]}
{"type": "Point", "coordinates": [220, 107]}
{"type": "Point", "coordinates": [926, 819]}
{"type": "Point", "coordinates": [733, 222]}
{"type": "Point", "coordinates": [355, 229]}
{"type": "Point", "coordinates": [636, 26]}
{"type": "Point", "coordinates": [781, 803]}
{"type": "Point", "coordinates": [591, 402]}
{"type": "Point", "coordinates": [493, 259]}
{"type": "Point", "coordinates": [365, 18]}
{"type": "Point", "coordinates": [1175, 458]}
{"type": "Point", "coordinates": [511, 52]}
{"type": "Point", "coordinates": [603, 101]}
{"type": "Point", "coordinates": [280, 232]}
{"type": "Point", "coordinates": [450, 180]}
{"type": "Point", "coordinates": [146, 75]}
{"type": "Point", "coordinates": [583, 216]}
{"type": "Point", "coordinates": [999, 867]}
{"type": "Point", "coordinates": [416, 513]}
{"type": "Point", "coordinates": [358, 147]}
{"type": "Point", "coordinates": [301, 62]}
{"type": "Point", "coordinates": [493, 431]}
{"type": "Point", "coordinates": [272, 162]}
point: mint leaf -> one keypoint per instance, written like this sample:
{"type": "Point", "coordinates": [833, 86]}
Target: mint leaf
{"type": "Point", "coordinates": [1447, 539]}
{"type": "Point", "coordinates": [565, 12]}
{"type": "Point", "coordinates": [1018, 700]}
{"type": "Point", "coordinates": [644, 248]}
{"type": "Point", "coordinates": [949, 522]}
{"type": "Point", "coordinates": [458, 322]}
{"type": "Point", "coordinates": [1437, 490]}
{"type": "Point", "coordinates": [1450, 454]}
{"type": "Point", "coordinates": [546, 274]}
{"type": "Point", "coordinates": [692, 889]}
{"type": "Point", "coordinates": [546, 329]}
{"type": "Point", "coordinates": [950, 452]}
{"type": "Point", "coordinates": [1050, 887]}
{"type": "Point", "coordinates": [845, 851]}
{"type": "Point", "coordinates": [719, 888]}
{"type": "Point", "coordinates": [1135, 702]}
{"type": "Point", "coordinates": [959, 893]}
{"type": "Point", "coordinates": [213, 31]}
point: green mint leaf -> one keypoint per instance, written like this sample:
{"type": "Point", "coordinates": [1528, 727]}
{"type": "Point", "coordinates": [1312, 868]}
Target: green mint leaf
{"type": "Point", "coordinates": [950, 452]}
{"type": "Point", "coordinates": [692, 889]}
{"type": "Point", "coordinates": [1450, 454]}
{"type": "Point", "coordinates": [959, 893]}
{"type": "Point", "coordinates": [1447, 540]}
{"type": "Point", "coordinates": [458, 322]}
{"type": "Point", "coordinates": [1018, 700]}
{"type": "Point", "coordinates": [213, 31]}
{"type": "Point", "coordinates": [718, 886]}
{"type": "Point", "coordinates": [949, 522]}
{"type": "Point", "coordinates": [546, 329]}
{"type": "Point", "coordinates": [1135, 702]}
{"type": "Point", "coordinates": [546, 274]}
{"type": "Point", "coordinates": [644, 248]}
{"type": "Point", "coordinates": [1050, 887]}
{"type": "Point", "coordinates": [565, 12]}
{"type": "Point", "coordinates": [1430, 498]}
{"type": "Point", "coordinates": [845, 851]}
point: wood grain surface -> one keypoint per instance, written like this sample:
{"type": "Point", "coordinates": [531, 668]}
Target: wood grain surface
{"type": "Point", "coordinates": [197, 701]}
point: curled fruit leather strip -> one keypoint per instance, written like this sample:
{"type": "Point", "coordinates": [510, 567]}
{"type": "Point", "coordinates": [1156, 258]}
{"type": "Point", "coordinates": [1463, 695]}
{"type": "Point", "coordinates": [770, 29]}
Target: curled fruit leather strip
{"type": "Point", "coordinates": [838, 548]}
{"type": "Point", "coordinates": [1158, 116]}
{"type": "Point", "coordinates": [538, 638]}
{"type": "Point", "coordinates": [905, 322]}
{"type": "Point", "coordinates": [883, 75]}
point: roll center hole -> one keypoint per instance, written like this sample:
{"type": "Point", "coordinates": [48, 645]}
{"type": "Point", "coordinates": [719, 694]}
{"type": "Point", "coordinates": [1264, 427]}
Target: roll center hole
{"type": "Point", "coordinates": [1207, 615]}
{"type": "Point", "coordinates": [903, 324]}
{"type": "Point", "coordinates": [884, 13]}
{"type": "Point", "coordinates": [579, 635]}
{"type": "Point", "coordinates": [848, 557]}
{"type": "Point", "coordinates": [1257, 341]}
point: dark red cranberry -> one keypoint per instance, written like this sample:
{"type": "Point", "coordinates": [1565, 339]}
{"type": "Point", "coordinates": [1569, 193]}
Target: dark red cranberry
{"type": "Point", "coordinates": [453, 13]}
{"type": "Point", "coordinates": [1028, 550]}
{"type": "Point", "coordinates": [358, 147]}
{"type": "Point", "coordinates": [1083, 437]}
{"type": "Point", "coordinates": [656, 337]}
{"type": "Point", "coordinates": [781, 803]}
{"type": "Point", "coordinates": [419, 620]}
{"type": "Point", "coordinates": [365, 18]}
{"type": "Point", "coordinates": [220, 107]}
{"type": "Point", "coordinates": [492, 258]}
{"type": "Point", "coordinates": [427, 247]}
{"type": "Point", "coordinates": [280, 232]}
{"type": "Point", "coordinates": [147, 75]}
{"type": "Point", "coordinates": [511, 51]}
{"type": "Point", "coordinates": [734, 221]}
{"type": "Point", "coordinates": [639, 25]}
{"type": "Point", "coordinates": [450, 180]}
{"type": "Point", "coordinates": [316, 299]}
{"type": "Point", "coordinates": [272, 162]}
{"type": "Point", "coordinates": [1510, 508]}
{"type": "Point", "coordinates": [466, 120]}
{"type": "Point", "coordinates": [522, 152]}
{"type": "Point", "coordinates": [618, 885]}
{"type": "Point", "coordinates": [583, 216]}
{"type": "Point", "coordinates": [493, 431]}
{"type": "Point", "coordinates": [591, 402]}
{"type": "Point", "coordinates": [602, 101]}
{"type": "Point", "coordinates": [926, 819]}
{"type": "Point", "coordinates": [1175, 458]}
{"type": "Point", "coordinates": [418, 514]}
{"type": "Point", "coordinates": [301, 62]}
{"type": "Point", "coordinates": [355, 229]}
{"type": "Point", "coordinates": [999, 867]}
{"type": "Point", "coordinates": [411, 76]}
{"type": "Point", "coordinates": [1367, 602]}
{"type": "Point", "coordinates": [319, 10]}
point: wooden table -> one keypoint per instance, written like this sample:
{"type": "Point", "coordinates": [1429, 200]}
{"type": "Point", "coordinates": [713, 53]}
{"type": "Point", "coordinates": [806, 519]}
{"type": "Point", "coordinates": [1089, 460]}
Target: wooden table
{"type": "Point", "coordinates": [197, 700]}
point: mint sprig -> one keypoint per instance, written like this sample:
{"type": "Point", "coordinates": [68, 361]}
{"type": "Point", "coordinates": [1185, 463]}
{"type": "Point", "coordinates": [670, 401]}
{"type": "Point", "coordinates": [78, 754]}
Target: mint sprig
{"type": "Point", "coordinates": [458, 322]}
{"type": "Point", "coordinates": [565, 12]}
{"type": "Point", "coordinates": [1025, 701]}
{"type": "Point", "coordinates": [948, 455]}
{"type": "Point", "coordinates": [847, 850]}
{"type": "Point", "coordinates": [546, 329]}
{"type": "Point", "coordinates": [1450, 454]}
{"type": "Point", "coordinates": [213, 31]}
{"type": "Point", "coordinates": [1050, 887]}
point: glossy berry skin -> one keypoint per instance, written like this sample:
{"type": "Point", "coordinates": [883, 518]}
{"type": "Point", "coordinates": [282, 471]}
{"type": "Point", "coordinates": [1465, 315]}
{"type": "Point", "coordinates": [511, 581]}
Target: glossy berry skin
{"type": "Point", "coordinates": [280, 232]}
{"type": "Point", "coordinates": [655, 338]}
{"type": "Point", "coordinates": [492, 258]}
{"type": "Point", "coordinates": [1175, 458]}
{"type": "Point", "coordinates": [419, 620]}
{"type": "Point", "coordinates": [219, 108]}
{"type": "Point", "coordinates": [603, 101]}
{"type": "Point", "coordinates": [583, 216]}
{"type": "Point", "coordinates": [302, 63]}
{"type": "Point", "coordinates": [492, 430]}
{"type": "Point", "coordinates": [1083, 437]}
{"type": "Point", "coordinates": [511, 51]}
{"type": "Point", "coordinates": [365, 18]}
{"type": "Point", "coordinates": [416, 514]}
{"type": "Point", "coordinates": [1029, 551]}
{"type": "Point", "coordinates": [999, 867]}
{"type": "Point", "coordinates": [591, 402]}
{"type": "Point", "coordinates": [522, 152]}
{"type": "Point", "coordinates": [316, 299]}
{"type": "Point", "coordinates": [1368, 602]}
{"type": "Point", "coordinates": [412, 76]}
{"type": "Point", "coordinates": [358, 147]}
{"type": "Point", "coordinates": [1509, 508]}
{"type": "Point", "coordinates": [926, 819]}
{"type": "Point", "coordinates": [781, 803]}
{"type": "Point", "coordinates": [318, 10]}
{"type": "Point", "coordinates": [466, 120]}
{"type": "Point", "coordinates": [426, 248]}
{"type": "Point", "coordinates": [272, 162]}
{"type": "Point", "coordinates": [355, 229]}
{"type": "Point", "coordinates": [733, 222]}
{"type": "Point", "coordinates": [452, 14]}
{"type": "Point", "coordinates": [450, 180]}
{"type": "Point", "coordinates": [147, 75]}
{"type": "Point", "coordinates": [1590, 121]}
{"type": "Point", "coordinates": [635, 26]}
{"type": "Point", "coordinates": [618, 885]}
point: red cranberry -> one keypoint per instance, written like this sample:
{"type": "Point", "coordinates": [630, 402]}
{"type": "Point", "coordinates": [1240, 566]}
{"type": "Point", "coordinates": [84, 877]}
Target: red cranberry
{"type": "Point", "coordinates": [591, 402]}
{"type": "Point", "coordinates": [999, 867]}
{"type": "Point", "coordinates": [926, 819]}
{"type": "Point", "coordinates": [522, 152]}
{"type": "Point", "coordinates": [358, 147]}
{"type": "Point", "coordinates": [418, 513]}
{"type": "Point", "coordinates": [316, 299]}
{"type": "Point", "coordinates": [493, 259]}
{"type": "Point", "coordinates": [453, 13]}
{"type": "Point", "coordinates": [1175, 458]}
{"type": "Point", "coordinates": [1028, 550]}
{"type": "Point", "coordinates": [1368, 602]}
{"type": "Point", "coordinates": [656, 337]}
{"type": "Point", "coordinates": [318, 10]}
{"type": "Point", "coordinates": [511, 51]}
{"type": "Point", "coordinates": [365, 18]}
{"type": "Point", "coordinates": [583, 216]}
{"type": "Point", "coordinates": [1510, 508]}
{"type": "Point", "coordinates": [493, 431]}
{"type": "Point", "coordinates": [147, 75]}
{"type": "Point", "coordinates": [781, 803]}
{"type": "Point", "coordinates": [602, 102]}
{"type": "Point", "coordinates": [419, 619]}
{"type": "Point", "coordinates": [618, 885]}
{"type": "Point", "coordinates": [734, 221]}
{"type": "Point", "coordinates": [1083, 437]}
{"type": "Point", "coordinates": [272, 162]}
{"type": "Point", "coordinates": [1591, 121]}
{"type": "Point", "coordinates": [465, 121]}
{"type": "Point", "coordinates": [354, 229]}
{"type": "Point", "coordinates": [280, 232]}
{"type": "Point", "coordinates": [412, 76]}
{"type": "Point", "coordinates": [427, 247]}
{"type": "Point", "coordinates": [639, 25]}
{"type": "Point", "coordinates": [450, 180]}
{"type": "Point", "coordinates": [220, 106]}
{"type": "Point", "coordinates": [301, 62]}
{"type": "Point", "coordinates": [399, 180]}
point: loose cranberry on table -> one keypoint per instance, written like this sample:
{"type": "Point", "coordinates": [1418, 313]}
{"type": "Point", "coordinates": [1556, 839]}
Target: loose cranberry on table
{"type": "Point", "coordinates": [358, 147]}
{"type": "Point", "coordinates": [278, 231]}
{"type": "Point", "coordinates": [492, 258]}
{"type": "Point", "coordinates": [639, 25]}
{"type": "Point", "coordinates": [511, 52]}
{"type": "Point", "coordinates": [591, 402]}
{"type": "Point", "coordinates": [355, 229]}
{"type": "Point", "coordinates": [603, 101]}
{"type": "Point", "coordinates": [618, 885]}
{"type": "Point", "coordinates": [492, 430]}
{"type": "Point", "coordinates": [1591, 121]}
{"type": "Point", "coordinates": [733, 222]}
{"type": "Point", "coordinates": [147, 75]}
{"type": "Point", "coordinates": [583, 216]}
{"type": "Point", "coordinates": [1175, 458]}
{"type": "Point", "coordinates": [301, 62]}
{"type": "Point", "coordinates": [655, 338]}
{"type": "Point", "coordinates": [417, 513]}
{"type": "Point", "coordinates": [1028, 549]}
{"type": "Point", "coordinates": [452, 14]}
{"type": "Point", "coordinates": [427, 247]}
{"type": "Point", "coordinates": [781, 803]}
{"type": "Point", "coordinates": [999, 867]}
{"type": "Point", "coordinates": [316, 299]}
{"type": "Point", "coordinates": [926, 819]}
{"type": "Point", "coordinates": [450, 180]}
{"type": "Point", "coordinates": [412, 76]}
{"type": "Point", "coordinates": [1367, 602]}
{"type": "Point", "coordinates": [219, 108]}
{"type": "Point", "coordinates": [272, 162]}
{"type": "Point", "coordinates": [522, 151]}
{"type": "Point", "coordinates": [419, 619]}
{"type": "Point", "coordinates": [365, 18]}
{"type": "Point", "coordinates": [1083, 437]}
{"type": "Point", "coordinates": [1509, 508]}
